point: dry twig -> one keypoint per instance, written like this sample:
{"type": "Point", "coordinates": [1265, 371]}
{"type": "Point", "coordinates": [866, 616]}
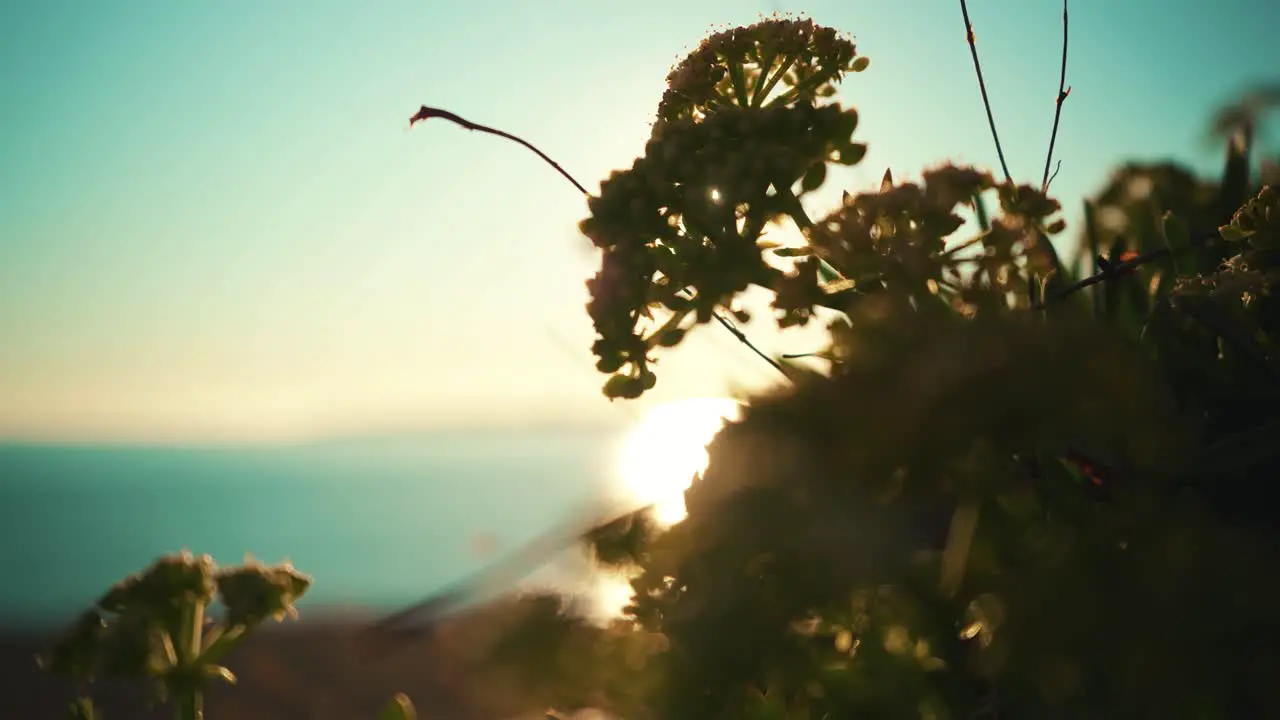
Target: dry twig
{"type": "Point", "coordinates": [1063, 92]}
{"type": "Point", "coordinates": [982, 85]}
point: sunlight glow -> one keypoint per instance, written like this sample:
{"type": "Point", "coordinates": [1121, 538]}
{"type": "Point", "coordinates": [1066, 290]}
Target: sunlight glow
{"type": "Point", "coordinates": [612, 593]}
{"type": "Point", "coordinates": [661, 455]}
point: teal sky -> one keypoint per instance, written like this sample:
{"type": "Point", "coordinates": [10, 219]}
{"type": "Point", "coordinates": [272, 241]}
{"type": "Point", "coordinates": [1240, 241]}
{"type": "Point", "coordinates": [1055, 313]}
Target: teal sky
{"type": "Point", "coordinates": [215, 224]}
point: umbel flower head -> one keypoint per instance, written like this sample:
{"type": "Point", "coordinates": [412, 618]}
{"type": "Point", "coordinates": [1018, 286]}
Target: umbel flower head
{"type": "Point", "coordinates": [170, 581]}
{"type": "Point", "coordinates": [1257, 223]}
{"type": "Point", "coordinates": [776, 61]}
{"type": "Point", "coordinates": [899, 241]}
{"type": "Point", "coordinates": [254, 592]}
{"type": "Point", "coordinates": [133, 629]}
{"type": "Point", "coordinates": [741, 136]}
{"type": "Point", "coordinates": [125, 633]}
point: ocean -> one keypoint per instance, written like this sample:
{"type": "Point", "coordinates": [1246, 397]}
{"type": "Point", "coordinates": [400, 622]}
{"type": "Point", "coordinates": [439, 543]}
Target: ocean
{"type": "Point", "coordinates": [378, 523]}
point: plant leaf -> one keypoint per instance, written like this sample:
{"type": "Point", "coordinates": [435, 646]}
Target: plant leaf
{"type": "Point", "coordinates": [814, 176]}
{"type": "Point", "coordinates": [399, 708]}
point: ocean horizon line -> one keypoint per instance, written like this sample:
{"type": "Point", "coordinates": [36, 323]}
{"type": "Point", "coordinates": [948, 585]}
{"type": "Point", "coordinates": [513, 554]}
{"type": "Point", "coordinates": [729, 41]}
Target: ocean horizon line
{"type": "Point", "coordinates": [337, 438]}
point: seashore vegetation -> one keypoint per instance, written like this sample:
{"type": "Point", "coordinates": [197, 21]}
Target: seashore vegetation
{"type": "Point", "coordinates": [1011, 484]}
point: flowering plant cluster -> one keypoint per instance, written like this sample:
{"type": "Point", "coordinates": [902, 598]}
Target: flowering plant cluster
{"type": "Point", "coordinates": [1011, 484]}
{"type": "Point", "coordinates": [173, 624]}
{"type": "Point", "coordinates": [747, 128]}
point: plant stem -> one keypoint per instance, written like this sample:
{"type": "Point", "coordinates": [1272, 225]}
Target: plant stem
{"type": "Point", "coordinates": [982, 85]}
{"type": "Point", "coordinates": [739, 80]}
{"type": "Point", "coordinates": [426, 113]}
{"type": "Point", "coordinates": [742, 338]}
{"type": "Point", "coordinates": [190, 699]}
{"type": "Point", "coordinates": [1063, 92]}
{"type": "Point", "coordinates": [195, 633]}
{"type": "Point", "coordinates": [764, 88]}
{"type": "Point", "coordinates": [792, 205]}
{"type": "Point", "coordinates": [766, 67]}
{"type": "Point", "coordinates": [190, 706]}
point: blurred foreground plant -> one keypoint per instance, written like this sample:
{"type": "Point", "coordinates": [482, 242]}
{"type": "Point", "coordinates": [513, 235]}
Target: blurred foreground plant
{"type": "Point", "coordinates": [161, 627]}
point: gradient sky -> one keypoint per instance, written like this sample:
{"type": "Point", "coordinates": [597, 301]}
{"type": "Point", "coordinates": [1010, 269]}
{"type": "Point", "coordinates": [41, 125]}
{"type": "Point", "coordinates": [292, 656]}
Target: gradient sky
{"type": "Point", "coordinates": [215, 224]}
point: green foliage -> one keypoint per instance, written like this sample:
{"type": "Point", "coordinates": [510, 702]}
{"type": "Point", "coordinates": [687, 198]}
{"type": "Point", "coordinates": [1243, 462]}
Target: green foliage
{"type": "Point", "coordinates": [159, 627]}
{"type": "Point", "coordinates": [1011, 492]}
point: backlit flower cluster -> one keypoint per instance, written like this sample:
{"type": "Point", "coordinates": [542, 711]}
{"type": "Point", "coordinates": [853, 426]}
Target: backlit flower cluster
{"type": "Point", "coordinates": [1229, 313]}
{"type": "Point", "coordinates": [896, 242]}
{"type": "Point", "coordinates": [679, 229]}
{"type": "Point", "coordinates": [741, 135]}
{"type": "Point", "coordinates": [748, 66]}
{"type": "Point", "coordinates": [132, 631]}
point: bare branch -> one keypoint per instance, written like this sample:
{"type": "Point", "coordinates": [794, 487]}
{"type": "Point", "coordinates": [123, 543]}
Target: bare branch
{"type": "Point", "coordinates": [982, 85]}
{"type": "Point", "coordinates": [426, 113]}
{"type": "Point", "coordinates": [1110, 271]}
{"type": "Point", "coordinates": [727, 325]}
{"type": "Point", "coordinates": [1063, 92]}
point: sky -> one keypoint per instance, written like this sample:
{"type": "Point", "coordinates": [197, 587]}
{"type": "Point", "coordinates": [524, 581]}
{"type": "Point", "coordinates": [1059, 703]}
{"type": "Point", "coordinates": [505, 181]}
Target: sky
{"type": "Point", "coordinates": [215, 223]}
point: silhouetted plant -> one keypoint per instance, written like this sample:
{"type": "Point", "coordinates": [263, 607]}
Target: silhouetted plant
{"type": "Point", "coordinates": [160, 626]}
{"type": "Point", "coordinates": [1010, 492]}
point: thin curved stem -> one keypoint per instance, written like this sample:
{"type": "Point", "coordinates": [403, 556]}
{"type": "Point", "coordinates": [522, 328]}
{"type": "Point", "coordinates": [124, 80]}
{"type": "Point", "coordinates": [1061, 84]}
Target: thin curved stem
{"type": "Point", "coordinates": [1112, 271]}
{"type": "Point", "coordinates": [426, 113]}
{"type": "Point", "coordinates": [727, 325]}
{"type": "Point", "coordinates": [982, 85]}
{"type": "Point", "coordinates": [1063, 92]}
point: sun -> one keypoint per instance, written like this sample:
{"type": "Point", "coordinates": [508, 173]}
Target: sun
{"type": "Point", "coordinates": [661, 455]}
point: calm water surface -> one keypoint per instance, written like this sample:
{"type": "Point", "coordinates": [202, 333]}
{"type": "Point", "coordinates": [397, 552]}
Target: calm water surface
{"type": "Point", "coordinates": [378, 523]}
